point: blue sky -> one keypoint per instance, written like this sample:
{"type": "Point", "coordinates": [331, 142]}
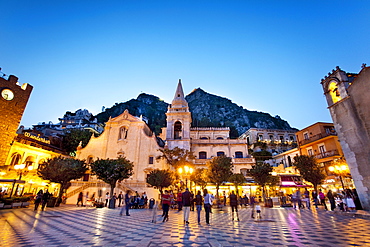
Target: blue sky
{"type": "Point", "coordinates": [267, 56]}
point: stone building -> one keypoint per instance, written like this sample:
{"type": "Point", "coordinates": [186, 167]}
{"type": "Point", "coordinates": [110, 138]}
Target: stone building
{"type": "Point", "coordinates": [13, 101]}
{"type": "Point", "coordinates": [274, 141]}
{"type": "Point", "coordinates": [347, 96]}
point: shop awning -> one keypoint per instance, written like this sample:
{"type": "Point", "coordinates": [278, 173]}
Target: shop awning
{"type": "Point", "coordinates": [12, 181]}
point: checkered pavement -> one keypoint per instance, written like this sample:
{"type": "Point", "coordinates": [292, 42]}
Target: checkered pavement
{"type": "Point", "coordinates": [78, 226]}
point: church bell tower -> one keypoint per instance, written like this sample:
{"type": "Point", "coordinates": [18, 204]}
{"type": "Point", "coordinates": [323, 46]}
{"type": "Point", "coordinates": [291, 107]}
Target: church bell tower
{"type": "Point", "coordinates": [178, 121]}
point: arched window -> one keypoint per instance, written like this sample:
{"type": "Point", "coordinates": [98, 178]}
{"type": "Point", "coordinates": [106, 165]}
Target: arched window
{"type": "Point", "coordinates": [16, 159]}
{"type": "Point", "coordinates": [202, 155]}
{"type": "Point", "coordinates": [30, 160]}
{"type": "Point", "coordinates": [221, 153]}
{"type": "Point", "coordinates": [122, 133]}
{"type": "Point", "coordinates": [90, 160]}
{"type": "Point", "coordinates": [204, 138]}
{"type": "Point", "coordinates": [178, 130]}
{"type": "Point", "coordinates": [238, 154]}
{"type": "Point", "coordinates": [219, 138]}
{"type": "Point", "coordinates": [334, 92]}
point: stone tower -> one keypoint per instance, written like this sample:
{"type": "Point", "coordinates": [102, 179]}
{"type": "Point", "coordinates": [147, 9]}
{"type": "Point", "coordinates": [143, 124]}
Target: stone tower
{"type": "Point", "coordinates": [178, 121]}
{"type": "Point", "coordinates": [13, 101]}
{"type": "Point", "coordinates": [347, 95]}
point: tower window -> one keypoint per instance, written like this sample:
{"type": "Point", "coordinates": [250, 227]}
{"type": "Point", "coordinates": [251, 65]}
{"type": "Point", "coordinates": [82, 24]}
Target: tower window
{"type": "Point", "coordinates": [178, 130]}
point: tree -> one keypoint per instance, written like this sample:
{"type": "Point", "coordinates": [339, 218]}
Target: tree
{"type": "Point", "coordinates": [261, 156]}
{"type": "Point", "coordinates": [112, 170]}
{"type": "Point", "coordinates": [237, 179]}
{"type": "Point", "coordinates": [73, 137]}
{"type": "Point", "coordinates": [160, 179]}
{"type": "Point", "coordinates": [261, 173]}
{"type": "Point", "coordinates": [62, 170]}
{"type": "Point", "coordinates": [219, 170]}
{"type": "Point", "coordinates": [199, 177]}
{"type": "Point", "coordinates": [309, 170]}
{"type": "Point", "coordinates": [176, 157]}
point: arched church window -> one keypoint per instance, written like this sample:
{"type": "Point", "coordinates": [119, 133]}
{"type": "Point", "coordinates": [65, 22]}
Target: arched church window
{"type": "Point", "coordinates": [178, 130]}
{"type": "Point", "coordinates": [202, 155]}
{"type": "Point", "coordinates": [334, 92]}
{"type": "Point", "coordinates": [122, 133]}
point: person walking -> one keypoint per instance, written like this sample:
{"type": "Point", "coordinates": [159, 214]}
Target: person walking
{"type": "Point", "coordinates": [120, 197]}
{"type": "Point", "coordinates": [186, 202]}
{"type": "Point", "coordinates": [45, 198]}
{"type": "Point", "coordinates": [179, 201]}
{"type": "Point", "coordinates": [207, 204]}
{"type": "Point", "coordinates": [38, 199]}
{"type": "Point", "coordinates": [106, 199]}
{"type": "Point", "coordinates": [198, 200]}
{"type": "Point", "coordinates": [234, 205]}
{"type": "Point", "coordinates": [252, 202]}
{"type": "Point", "coordinates": [306, 194]}
{"type": "Point", "coordinates": [127, 203]}
{"type": "Point", "coordinates": [331, 199]}
{"type": "Point", "coordinates": [314, 198]}
{"type": "Point", "coordinates": [166, 202]}
{"type": "Point", "coordinates": [192, 207]}
{"type": "Point", "coordinates": [322, 199]}
{"type": "Point", "coordinates": [79, 199]}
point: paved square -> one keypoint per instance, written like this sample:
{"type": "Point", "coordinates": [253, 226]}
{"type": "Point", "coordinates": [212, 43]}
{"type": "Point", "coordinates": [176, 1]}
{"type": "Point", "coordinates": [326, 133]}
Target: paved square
{"type": "Point", "coordinates": [78, 226]}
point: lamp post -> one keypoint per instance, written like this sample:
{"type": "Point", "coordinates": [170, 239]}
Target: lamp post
{"type": "Point", "coordinates": [185, 172]}
{"type": "Point", "coordinates": [20, 169]}
{"type": "Point", "coordinates": [339, 170]}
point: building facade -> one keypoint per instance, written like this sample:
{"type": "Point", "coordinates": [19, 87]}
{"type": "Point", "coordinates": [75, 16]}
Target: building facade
{"type": "Point", "coordinates": [274, 141]}
{"type": "Point", "coordinates": [347, 96]}
{"type": "Point", "coordinates": [130, 136]}
{"type": "Point", "coordinates": [13, 101]}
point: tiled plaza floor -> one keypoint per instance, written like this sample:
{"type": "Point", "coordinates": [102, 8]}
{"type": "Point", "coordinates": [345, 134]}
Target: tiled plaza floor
{"type": "Point", "coordinates": [78, 226]}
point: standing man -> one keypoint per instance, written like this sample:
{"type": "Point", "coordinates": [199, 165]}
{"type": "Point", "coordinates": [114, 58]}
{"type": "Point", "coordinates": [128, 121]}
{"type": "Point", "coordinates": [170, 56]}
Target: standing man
{"type": "Point", "coordinates": [207, 204]}
{"type": "Point", "coordinates": [252, 202]}
{"type": "Point", "coordinates": [127, 203]}
{"type": "Point", "coordinates": [198, 203]}
{"type": "Point", "coordinates": [307, 198]}
{"type": "Point", "coordinates": [234, 205]}
{"type": "Point", "coordinates": [120, 197]}
{"type": "Point", "coordinates": [186, 202]}
{"type": "Point", "coordinates": [179, 201]}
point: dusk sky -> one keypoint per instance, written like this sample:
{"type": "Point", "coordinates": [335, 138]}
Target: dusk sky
{"type": "Point", "coordinates": [267, 56]}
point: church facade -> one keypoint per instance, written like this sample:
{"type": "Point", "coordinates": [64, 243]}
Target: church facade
{"type": "Point", "coordinates": [129, 136]}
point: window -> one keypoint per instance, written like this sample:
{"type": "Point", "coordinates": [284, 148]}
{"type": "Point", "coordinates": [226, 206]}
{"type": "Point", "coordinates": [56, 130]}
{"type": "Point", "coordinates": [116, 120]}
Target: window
{"type": "Point", "coordinates": [260, 138]}
{"type": "Point", "coordinates": [322, 149]}
{"type": "Point", "coordinates": [305, 136]}
{"type": "Point", "coordinates": [122, 133]}
{"type": "Point", "coordinates": [90, 160]}
{"type": "Point", "coordinates": [281, 139]}
{"type": "Point", "coordinates": [289, 161]}
{"type": "Point", "coordinates": [178, 130]}
{"type": "Point", "coordinates": [238, 154]}
{"type": "Point", "coordinates": [202, 155]}
{"type": "Point", "coordinates": [219, 138]}
{"type": "Point", "coordinates": [221, 153]}
{"type": "Point", "coordinates": [271, 138]}
{"type": "Point", "coordinates": [204, 138]}
{"type": "Point", "coordinates": [244, 171]}
{"type": "Point", "coordinates": [310, 152]}
{"type": "Point", "coordinates": [151, 160]}
{"type": "Point", "coordinates": [16, 159]}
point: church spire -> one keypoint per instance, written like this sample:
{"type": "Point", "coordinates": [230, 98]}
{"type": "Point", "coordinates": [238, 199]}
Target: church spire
{"type": "Point", "coordinates": [179, 100]}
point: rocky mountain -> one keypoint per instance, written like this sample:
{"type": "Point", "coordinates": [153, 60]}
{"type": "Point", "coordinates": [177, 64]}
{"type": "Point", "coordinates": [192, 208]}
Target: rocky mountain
{"type": "Point", "coordinates": [207, 110]}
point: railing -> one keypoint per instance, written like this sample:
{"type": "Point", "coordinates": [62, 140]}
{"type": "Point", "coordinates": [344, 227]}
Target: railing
{"type": "Point", "coordinates": [218, 141]}
{"type": "Point", "coordinates": [234, 160]}
{"type": "Point", "coordinates": [316, 137]}
{"type": "Point", "coordinates": [327, 154]}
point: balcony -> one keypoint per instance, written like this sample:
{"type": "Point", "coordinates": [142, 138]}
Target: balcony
{"type": "Point", "coordinates": [236, 161]}
{"type": "Point", "coordinates": [316, 137]}
{"type": "Point", "coordinates": [218, 141]}
{"type": "Point", "coordinates": [327, 154]}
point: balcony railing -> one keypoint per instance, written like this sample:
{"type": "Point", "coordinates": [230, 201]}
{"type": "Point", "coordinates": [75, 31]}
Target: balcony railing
{"type": "Point", "coordinates": [316, 137]}
{"type": "Point", "coordinates": [327, 154]}
{"type": "Point", "coordinates": [218, 141]}
{"type": "Point", "coordinates": [234, 161]}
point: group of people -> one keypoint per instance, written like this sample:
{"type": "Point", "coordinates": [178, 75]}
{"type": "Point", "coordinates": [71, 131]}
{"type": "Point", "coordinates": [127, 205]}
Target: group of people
{"type": "Point", "coordinates": [205, 200]}
{"type": "Point", "coordinates": [347, 200]}
{"type": "Point", "coordinates": [42, 198]}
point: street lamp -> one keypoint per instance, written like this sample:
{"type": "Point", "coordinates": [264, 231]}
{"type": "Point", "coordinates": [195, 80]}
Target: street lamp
{"type": "Point", "coordinates": [339, 170]}
{"type": "Point", "coordinates": [20, 169]}
{"type": "Point", "coordinates": [186, 172]}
